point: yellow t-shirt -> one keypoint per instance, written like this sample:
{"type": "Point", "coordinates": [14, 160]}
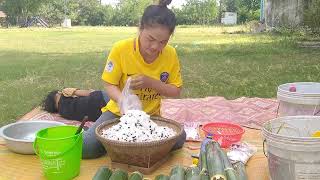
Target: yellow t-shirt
{"type": "Point", "coordinates": [125, 60]}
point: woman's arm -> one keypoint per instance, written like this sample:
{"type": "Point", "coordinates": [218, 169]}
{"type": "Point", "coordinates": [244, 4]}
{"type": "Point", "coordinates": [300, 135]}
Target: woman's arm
{"type": "Point", "coordinates": [113, 92]}
{"type": "Point", "coordinates": [142, 81]}
{"type": "Point", "coordinates": [167, 90]}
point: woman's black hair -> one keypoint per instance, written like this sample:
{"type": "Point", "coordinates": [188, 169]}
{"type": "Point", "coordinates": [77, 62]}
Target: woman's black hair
{"type": "Point", "coordinates": [49, 103]}
{"type": "Point", "coordinates": [159, 14]}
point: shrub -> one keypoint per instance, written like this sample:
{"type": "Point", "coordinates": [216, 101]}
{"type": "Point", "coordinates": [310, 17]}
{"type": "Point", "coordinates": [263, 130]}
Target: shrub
{"type": "Point", "coordinates": [312, 16]}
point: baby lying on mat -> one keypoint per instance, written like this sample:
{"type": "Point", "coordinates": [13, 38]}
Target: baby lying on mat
{"type": "Point", "coordinates": [76, 104]}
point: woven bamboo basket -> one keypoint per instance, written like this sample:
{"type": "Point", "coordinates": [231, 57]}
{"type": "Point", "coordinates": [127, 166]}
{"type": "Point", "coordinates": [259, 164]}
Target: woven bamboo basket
{"type": "Point", "coordinates": [140, 154]}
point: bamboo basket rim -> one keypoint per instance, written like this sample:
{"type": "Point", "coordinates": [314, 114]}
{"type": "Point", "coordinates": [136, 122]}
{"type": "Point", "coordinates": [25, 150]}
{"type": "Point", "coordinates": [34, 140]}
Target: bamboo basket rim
{"type": "Point", "coordinates": [140, 144]}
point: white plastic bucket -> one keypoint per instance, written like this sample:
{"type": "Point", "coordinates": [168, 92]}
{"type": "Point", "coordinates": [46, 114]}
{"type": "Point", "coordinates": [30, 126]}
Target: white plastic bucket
{"type": "Point", "coordinates": [304, 101]}
{"type": "Point", "coordinates": [292, 153]}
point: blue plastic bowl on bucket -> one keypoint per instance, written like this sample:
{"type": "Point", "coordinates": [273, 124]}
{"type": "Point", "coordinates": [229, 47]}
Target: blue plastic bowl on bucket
{"type": "Point", "coordinates": [60, 152]}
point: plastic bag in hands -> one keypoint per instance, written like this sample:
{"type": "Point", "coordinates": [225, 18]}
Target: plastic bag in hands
{"type": "Point", "coordinates": [129, 100]}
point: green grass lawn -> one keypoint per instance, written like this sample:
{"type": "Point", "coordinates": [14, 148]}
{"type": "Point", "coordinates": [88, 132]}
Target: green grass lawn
{"type": "Point", "coordinates": [214, 62]}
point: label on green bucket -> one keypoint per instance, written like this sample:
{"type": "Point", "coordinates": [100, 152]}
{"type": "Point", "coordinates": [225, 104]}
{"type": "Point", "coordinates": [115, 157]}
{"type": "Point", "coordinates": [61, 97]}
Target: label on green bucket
{"type": "Point", "coordinates": [54, 165]}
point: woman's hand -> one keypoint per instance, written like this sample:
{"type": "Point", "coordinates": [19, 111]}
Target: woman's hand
{"type": "Point", "coordinates": [141, 81]}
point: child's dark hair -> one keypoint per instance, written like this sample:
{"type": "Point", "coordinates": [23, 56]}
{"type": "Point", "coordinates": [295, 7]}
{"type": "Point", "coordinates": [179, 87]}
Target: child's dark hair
{"type": "Point", "coordinates": [159, 14]}
{"type": "Point", "coordinates": [49, 103]}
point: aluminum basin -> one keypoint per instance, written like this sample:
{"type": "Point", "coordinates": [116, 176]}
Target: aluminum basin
{"type": "Point", "coordinates": [20, 136]}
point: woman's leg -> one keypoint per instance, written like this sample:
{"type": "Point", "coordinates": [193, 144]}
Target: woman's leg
{"type": "Point", "coordinates": [92, 147]}
{"type": "Point", "coordinates": [180, 141]}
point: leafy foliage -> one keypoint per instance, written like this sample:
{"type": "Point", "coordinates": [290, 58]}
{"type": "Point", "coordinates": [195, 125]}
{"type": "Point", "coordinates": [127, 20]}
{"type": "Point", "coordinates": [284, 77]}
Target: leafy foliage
{"type": "Point", "coordinates": [197, 12]}
{"type": "Point", "coordinates": [125, 13]}
{"type": "Point", "coordinates": [128, 13]}
{"type": "Point", "coordinates": [55, 11]}
{"type": "Point", "coordinates": [312, 16]}
{"type": "Point", "coordinates": [231, 5]}
{"type": "Point", "coordinates": [20, 10]}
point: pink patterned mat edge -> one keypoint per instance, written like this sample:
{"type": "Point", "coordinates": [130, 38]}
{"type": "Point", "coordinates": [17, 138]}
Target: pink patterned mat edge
{"type": "Point", "coordinates": [248, 112]}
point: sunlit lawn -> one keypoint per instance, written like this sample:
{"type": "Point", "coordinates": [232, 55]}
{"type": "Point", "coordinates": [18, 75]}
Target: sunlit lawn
{"type": "Point", "coordinates": [215, 62]}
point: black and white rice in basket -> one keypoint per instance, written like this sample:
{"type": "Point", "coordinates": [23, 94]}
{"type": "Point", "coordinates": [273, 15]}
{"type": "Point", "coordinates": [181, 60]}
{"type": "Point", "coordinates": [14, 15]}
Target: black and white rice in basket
{"type": "Point", "coordinates": [136, 126]}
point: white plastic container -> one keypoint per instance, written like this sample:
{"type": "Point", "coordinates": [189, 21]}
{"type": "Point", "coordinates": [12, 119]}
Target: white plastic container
{"type": "Point", "coordinates": [304, 101]}
{"type": "Point", "coordinates": [229, 18]}
{"type": "Point", "coordinates": [292, 153]}
{"type": "Point", "coordinates": [66, 23]}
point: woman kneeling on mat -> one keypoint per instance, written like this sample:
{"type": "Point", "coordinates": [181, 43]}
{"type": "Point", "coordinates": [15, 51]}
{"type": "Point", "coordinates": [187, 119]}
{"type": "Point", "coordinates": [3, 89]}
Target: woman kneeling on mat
{"type": "Point", "coordinates": [153, 66]}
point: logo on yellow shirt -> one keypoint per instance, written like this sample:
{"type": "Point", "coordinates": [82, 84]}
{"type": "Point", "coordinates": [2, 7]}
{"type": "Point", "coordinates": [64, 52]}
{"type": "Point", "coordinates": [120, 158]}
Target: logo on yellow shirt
{"type": "Point", "coordinates": [164, 76]}
{"type": "Point", "coordinates": [109, 66]}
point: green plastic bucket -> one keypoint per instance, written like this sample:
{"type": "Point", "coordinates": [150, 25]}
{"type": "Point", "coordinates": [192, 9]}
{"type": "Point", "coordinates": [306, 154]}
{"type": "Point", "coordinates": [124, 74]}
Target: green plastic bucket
{"type": "Point", "coordinates": [60, 151]}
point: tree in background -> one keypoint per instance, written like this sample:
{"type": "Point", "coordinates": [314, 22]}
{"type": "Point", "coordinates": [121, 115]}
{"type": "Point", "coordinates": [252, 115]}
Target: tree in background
{"type": "Point", "coordinates": [197, 12]}
{"type": "Point", "coordinates": [90, 12]}
{"type": "Point", "coordinates": [55, 11]}
{"type": "Point", "coordinates": [81, 12]}
{"type": "Point", "coordinates": [312, 15]}
{"type": "Point", "coordinates": [248, 10]}
{"type": "Point", "coordinates": [108, 12]}
{"type": "Point", "coordinates": [231, 5]}
{"type": "Point", "coordinates": [18, 11]}
{"type": "Point", "coordinates": [128, 13]}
